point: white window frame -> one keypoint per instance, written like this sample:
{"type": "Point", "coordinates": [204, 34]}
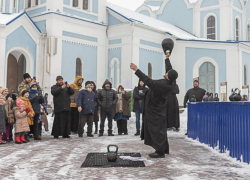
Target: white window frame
{"type": "Point", "coordinates": [239, 30]}
{"type": "Point", "coordinates": [205, 25]}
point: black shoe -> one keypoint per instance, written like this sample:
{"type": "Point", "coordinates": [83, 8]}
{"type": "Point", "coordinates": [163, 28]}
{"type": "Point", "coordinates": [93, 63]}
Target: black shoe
{"type": "Point", "coordinates": [26, 137]}
{"type": "Point", "coordinates": [81, 136]}
{"type": "Point", "coordinates": [37, 138]}
{"type": "Point", "coordinates": [100, 134]}
{"type": "Point", "coordinates": [95, 132]}
{"type": "Point", "coordinates": [125, 133]}
{"type": "Point", "coordinates": [119, 134]}
{"type": "Point", "coordinates": [56, 137]}
{"type": "Point", "coordinates": [186, 134]}
{"type": "Point", "coordinates": [11, 138]}
{"type": "Point", "coordinates": [90, 135]}
{"type": "Point", "coordinates": [111, 134]}
{"type": "Point", "coordinates": [138, 133]}
{"type": "Point", "coordinates": [66, 136]}
{"type": "Point", "coordinates": [6, 139]}
{"type": "Point", "coordinates": [177, 130]}
{"type": "Point", "coordinates": [155, 155]}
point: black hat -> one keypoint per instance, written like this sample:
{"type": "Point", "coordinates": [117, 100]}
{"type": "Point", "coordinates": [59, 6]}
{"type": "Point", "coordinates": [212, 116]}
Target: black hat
{"type": "Point", "coordinates": [167, 45]}
{"type": "Point", "coordinates": [26, 75]}
{"type": "Point", "coordinates": [196, 81]}
{"type": "Point", "coordinates": [58, 78]}
{"type": "Point", "coordinates": [87, 83]}
{"type": "Point", "coordinates": [172, 75]}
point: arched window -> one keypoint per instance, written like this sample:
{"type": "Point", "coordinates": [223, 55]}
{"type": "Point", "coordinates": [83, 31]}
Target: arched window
{"type": "Point", "coordinates": [211, 28]}
{"type": "Point", "coordinates": [150, 70]}
{"type": "Point", "coordinates": [237, 29]}
{"type": "Point", "coordinates": [78, 67]}
{"type": "Point", "coordinates": [75, 3]}
{"type": "Point", "coordinates": [115, 71]}
{"type": "Point", "coordinates": [29, 3]}
{"type": "Point", "coordinates": [245, 74]}
{"type": "Point", "coordinates": [207, 77]}
{"type": "Point", "coordinates": [36, 2]}
{"type": "Point", "coordinates": [248, 32]}
{"type": "Point", "coordinates": [85, 4]}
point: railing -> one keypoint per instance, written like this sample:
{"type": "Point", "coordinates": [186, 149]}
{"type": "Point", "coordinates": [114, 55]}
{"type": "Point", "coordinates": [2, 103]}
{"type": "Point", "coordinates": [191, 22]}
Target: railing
{"type": "Point", "coordinates": [225, 125]}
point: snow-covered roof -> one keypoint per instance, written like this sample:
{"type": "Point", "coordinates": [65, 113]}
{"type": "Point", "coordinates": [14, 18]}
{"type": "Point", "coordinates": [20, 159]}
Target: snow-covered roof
{"type": "Point", "coordinates": [6, 18]}
{"type": "Point", "coordinates": [150, 22]}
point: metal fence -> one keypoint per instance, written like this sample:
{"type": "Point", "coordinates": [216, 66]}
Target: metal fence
{"type": "Point", "coordinates": [225, 125]}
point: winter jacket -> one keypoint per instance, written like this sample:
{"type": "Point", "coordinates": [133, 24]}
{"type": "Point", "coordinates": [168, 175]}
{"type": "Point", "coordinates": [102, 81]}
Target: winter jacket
{"type": "Point", "coordinates": [125, 98]}
{"type": "Point", "coordinates": [76, 88]}
{"type": "Point", "coordinates": [21, 121]}
{"type": "Point", "coordinates": [36, 101]}
{"type": "Point", "coordinates": [26, 86]}
{"type": "Point", "coordinates": [87, 101]}
{"type": "Point", "coordinates": [9, 104]}
{"type": "Point", "coordinates": [138, 94]}
{"type": "Point", "coordinates": [198, 92]}
{"type": "Point", "coordinates": [107, 98]}
{"type": "Point", "coordinates": [61, 98]}
{"type": "Point", "coordinates": [2, 119]}
{"type": "Point", "coordinates": [31, 113]}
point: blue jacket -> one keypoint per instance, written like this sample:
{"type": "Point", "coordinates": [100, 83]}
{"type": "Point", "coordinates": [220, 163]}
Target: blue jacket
{"type": "Point", "coordinates": [87, 101]}
{"type": "Point", "coordinates": [35, 102]}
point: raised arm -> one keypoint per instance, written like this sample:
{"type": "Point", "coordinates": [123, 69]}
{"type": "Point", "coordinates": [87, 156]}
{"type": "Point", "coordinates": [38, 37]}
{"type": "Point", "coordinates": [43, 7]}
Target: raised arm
{"type": "Point", "coordinates": [168, 65]}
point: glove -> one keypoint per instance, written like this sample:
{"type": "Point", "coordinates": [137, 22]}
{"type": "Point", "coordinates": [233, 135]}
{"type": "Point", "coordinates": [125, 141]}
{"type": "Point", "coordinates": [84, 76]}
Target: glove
{"type": "Point", "coordinates": [13, 97]}
{"type": "Point", "coordinates": [27, 110]}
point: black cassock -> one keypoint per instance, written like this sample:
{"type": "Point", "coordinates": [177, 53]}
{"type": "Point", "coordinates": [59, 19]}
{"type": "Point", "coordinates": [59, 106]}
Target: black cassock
{"type": "Point", "coordinates": [154, 127]}
{"type": "Point", "coordinates": [172, 105]}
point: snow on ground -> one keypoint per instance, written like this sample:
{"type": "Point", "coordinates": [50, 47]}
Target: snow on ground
{"type": "Point", "coordinates": [62, 158]}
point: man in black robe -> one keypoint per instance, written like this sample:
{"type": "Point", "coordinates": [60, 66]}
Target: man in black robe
{"type": "Point", "coordinates": [61, 96]}
{"type": "Point", "coordinates": [172, 105]}
{"type": "Point", "coordinates": [154, 128]}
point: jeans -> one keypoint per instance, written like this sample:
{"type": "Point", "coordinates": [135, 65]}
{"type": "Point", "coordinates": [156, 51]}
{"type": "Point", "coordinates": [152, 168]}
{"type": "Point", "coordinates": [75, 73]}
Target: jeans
{"type": "Point", "coordinates": [138, 113]}
{"type": "Point", "coordinates": [106, 114]}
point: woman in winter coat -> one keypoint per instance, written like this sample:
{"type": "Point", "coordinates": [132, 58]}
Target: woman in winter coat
{"type": "Point", "coordinates": [25, 97]}
{"type": "Point", "coordinates": [9, 104]}
{"type": "Point", "coordinates": [122, 110]}
{"type": "Point", "coordinates": [2, 118]}
{"type": "Point", "coordinates": [21, 126]}
{"type": "Point", "coordinates": [36, 100]}
{"type": "Point", "coordinates": [96, 113]}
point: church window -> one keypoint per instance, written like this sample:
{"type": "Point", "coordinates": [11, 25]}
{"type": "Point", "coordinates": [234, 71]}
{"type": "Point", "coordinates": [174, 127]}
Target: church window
{"type": "Point", "coordinates": [211, 34]}
{"type": "Point", "coordinates": [237, 29]}
{"type": "Point", "coordinates": [29, 3]}
{"type": "Point", "coordinates": [75, 3]}
{"type": "Point", "coordinates": [36, 2]}
{"type": "Point", "coordinates": [85, 4]}
{"type": "Point", "coordinates": [78, 67]}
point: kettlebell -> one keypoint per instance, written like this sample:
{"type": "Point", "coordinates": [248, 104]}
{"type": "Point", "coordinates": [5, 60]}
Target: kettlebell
{"type": "Point", "coordinates": [216, 97]}
{"type": "Point", "coordinates": [112, 155]}
{"type": "Point", "coordinates": [231, 97]}
{"type": "Point", "coordinates": [211, 97]}
{"type": "Point", "coordinates": [205, 97]}
{"type": "Point", "coordinates": [193, 99]}
{"type": "Point", "coordinates": [237, 97]}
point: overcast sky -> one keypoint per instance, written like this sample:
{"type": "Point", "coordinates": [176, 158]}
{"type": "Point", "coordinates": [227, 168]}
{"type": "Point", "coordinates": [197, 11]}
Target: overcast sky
{"type": "Point", "coordinates": [131, 4]}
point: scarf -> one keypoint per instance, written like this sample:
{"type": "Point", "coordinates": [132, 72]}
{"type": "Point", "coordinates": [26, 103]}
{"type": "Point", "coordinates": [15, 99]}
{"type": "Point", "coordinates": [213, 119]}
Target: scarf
{"type": "Point", "coordinates": [33, 91]}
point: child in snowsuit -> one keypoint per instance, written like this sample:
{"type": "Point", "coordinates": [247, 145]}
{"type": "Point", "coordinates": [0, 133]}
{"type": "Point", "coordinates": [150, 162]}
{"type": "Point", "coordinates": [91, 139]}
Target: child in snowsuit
{"type": "Point", "coordinates": [22, 126]}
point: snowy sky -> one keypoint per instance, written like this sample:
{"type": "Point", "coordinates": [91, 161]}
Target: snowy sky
{"type": "Point", "coordinates": [131, 4]}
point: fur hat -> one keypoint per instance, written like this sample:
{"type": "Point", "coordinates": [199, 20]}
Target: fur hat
{"type": "Point", "coordinates": [2, 89]}
{"type": "Point", "coordinates": [19, 102]}
{"type": "Point", "coordinates": [24, 91]}
{"type": "Point", "coordinates": [59, 77]}
{"type": "Point", "coordinates": [26, 75]}
{"type": "Point", "coordinates": [172, 75]}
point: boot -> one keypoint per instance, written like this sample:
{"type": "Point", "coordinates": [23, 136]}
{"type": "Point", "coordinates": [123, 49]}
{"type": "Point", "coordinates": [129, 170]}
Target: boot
{"type": "Point", "coordinates": [23, 139]}
{"type": "Point", "coordinates": [138, 132]}
{"type": "Point", "coordinates": [96, 127]}
{"type": "Point", "coordinates": [1, 141]}
{"type": "Point", "coordinates": [110, 134]}
{"type": "Point", "coordinates": [11, 138]}
{"type": "Point", "coordinates": [100, 134]}
{"type": "Point", "coordinates": [156, 155]}
{"type": "Point", "coordinates": [37, 138]}
{"type": "Point", "coordinates": [18, 140]}
{"type": "Point", "coordinates": [90, 135]}
{"type": "Point", "coordinates": [26, 136]}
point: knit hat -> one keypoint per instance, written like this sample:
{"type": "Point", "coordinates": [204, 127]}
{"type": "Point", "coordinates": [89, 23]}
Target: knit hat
{"type": "Point", "coordinates": [87, 83]}
{"type": "Point", "coordinates": [19, 102]}
{"type": "Point", "coordinates": [59, 77]}
{"type": "Point", "coordinates": [196, 81]}
{"type": "Point", "coordinates": [33, 84]}
{"type": "Point", "coordinates": [2, 89]}
{"type": "Point", "coordinates": [167, 45]}
{"type": "Point", "coordinates": [24, 91]}
{"type": "Point", "coordinates": [172, 75]}
{"type": "Point", "coordinates": [26, 75]}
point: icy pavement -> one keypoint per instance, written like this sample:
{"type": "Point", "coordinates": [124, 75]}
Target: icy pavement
{"type": "Point", "coordinates": [62, 158]}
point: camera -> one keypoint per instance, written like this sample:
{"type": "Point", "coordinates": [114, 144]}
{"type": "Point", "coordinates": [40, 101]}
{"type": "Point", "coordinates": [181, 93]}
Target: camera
{"type": "Point", "coordinates": [66, 83]}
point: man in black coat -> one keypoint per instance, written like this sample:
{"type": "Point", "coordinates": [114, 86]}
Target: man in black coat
{"type": "Point", "coordinates": [196, 91]}
{"type": "Point", "coordinates": [172, 105]}
{"type": "Point", "coordinates": [107, 99]}
{"type": "Point", "coordinates": [154, 128]}
{"type": "Point", "coordinates": [61, 95]}
{"type": "Point", "coordinates": [138, 94]}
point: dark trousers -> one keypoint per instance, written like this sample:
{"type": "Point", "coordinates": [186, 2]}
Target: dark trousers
{"type": "Point", "coordinates": [106, 114]}
{"type": "Point", "coordinates": [10, 132]}
{"type": "Point", "coordinates": [74, 119]}
{"type": "Point", "coordinates": [35, 126]}
{"type": "Point", "coordinates": [82, 121]}
{"type": "Point", "coordinates": [138, 114]}
{"type": "Point", "coordinates": [122, 126]}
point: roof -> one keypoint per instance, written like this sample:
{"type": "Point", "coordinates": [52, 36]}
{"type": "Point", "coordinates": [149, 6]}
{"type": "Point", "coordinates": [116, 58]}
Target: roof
{"type": "Point", "coordinates": [8, 18]}
{"type": "Point", "coordinates": [138, 18]}
{"type": "Point", "coordinates": [153, 8]}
